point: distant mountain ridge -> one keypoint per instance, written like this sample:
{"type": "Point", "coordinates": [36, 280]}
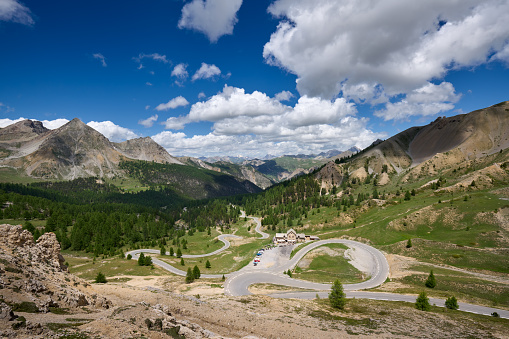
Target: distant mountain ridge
{"type": "Point", "coordinates": [75, 150]}
{"type": "Point", "coordinates": [71, 151]}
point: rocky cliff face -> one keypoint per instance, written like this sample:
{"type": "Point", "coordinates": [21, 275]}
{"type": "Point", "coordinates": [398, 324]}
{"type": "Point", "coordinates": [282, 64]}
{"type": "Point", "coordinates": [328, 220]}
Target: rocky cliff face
{"type": "Point", "coordinates": [34, 278]}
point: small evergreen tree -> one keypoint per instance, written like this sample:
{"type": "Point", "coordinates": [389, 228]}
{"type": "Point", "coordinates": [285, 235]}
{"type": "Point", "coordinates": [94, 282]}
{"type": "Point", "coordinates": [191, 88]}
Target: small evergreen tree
{"type": "Point", "coordinates": [179, 253]}
{"type": "Point", "coordinates": [189, 276]}
{"type": "Point", "coordinates": [163, 250]}
{"type": "Point", "coordinates": [422, 302]}
{"type": "Point", "coordinates": [182, 262]}
{"type": "Point", "coordinates": [148, 261]}
{"type": "Point", "coordinates": [129, 257]}
{"type": "Point", "coordinates": [409, 243]}
{"type": "Point", "coordinates": [452, 303]}
{"type": "Point", "coordinates": [431, 281]}
{"type": "Point", "coordinates": [196, 272]}
{"type": "Point", "coordinates": [171, 252]}
{"type": "Point", "coordinates": [337, 296]}
{"type": "Point", "coordinates": [207, 264]}
{"type": "Point", "coordinates": [407, 195]}
{"type": "Point", "coordinates": [223, 278]}
{"type": "Point", "coordinates": [100, 278]}
{"type": "Point", "coordinates": [141, 259]}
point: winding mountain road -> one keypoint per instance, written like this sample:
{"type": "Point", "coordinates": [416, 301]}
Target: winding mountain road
{"type": "Point", "coordinates": [258, 228]}
{"type": "Point", "coordinates": [238, 282]}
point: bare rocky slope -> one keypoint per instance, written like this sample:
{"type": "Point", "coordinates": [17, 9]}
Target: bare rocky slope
{"type": "Point", "coordinates": [39, 298]}
{"type": "Point", "coordinates": [472, 140]}
{"type": "Point", "coordinates": [71, 151]}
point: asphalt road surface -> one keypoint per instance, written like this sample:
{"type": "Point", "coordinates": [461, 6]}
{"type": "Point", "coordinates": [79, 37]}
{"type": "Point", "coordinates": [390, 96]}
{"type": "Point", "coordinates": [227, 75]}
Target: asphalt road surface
{"type": "Point", "coordinates": [238, 282]}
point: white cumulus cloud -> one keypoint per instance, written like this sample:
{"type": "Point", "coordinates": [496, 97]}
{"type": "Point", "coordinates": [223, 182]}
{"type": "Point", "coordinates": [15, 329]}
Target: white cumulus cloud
{"type": "Point", "coordinates": [206, 71]}
{"type": "Point", "coordinates": [284, 96]}
{"type": "Point", "coordinates": [214, 18]}
{"type": "Point", "coordinates": [49, 124]}
{"type": "Point", "coordinates": [173, 103]}
{"type": "Point", "coordinates": [13, 10]}
{"type": "Point", "coordinates": [180, 71]}
{"type": "Point", "coordinates": [375, 50]}
{"type": "Point", "coordinates": [112, 131]}
{"type": "Point", "coordinates": [233, 102]}
{"type": "Point", "coordinates": [149, 122]}
{"type": "Point", "coordinates": [255, 124]}
{"type": "Point", "coordinates": [428, 100]}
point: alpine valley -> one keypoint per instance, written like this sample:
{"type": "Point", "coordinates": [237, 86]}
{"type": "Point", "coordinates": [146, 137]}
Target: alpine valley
{"type": "Point", "coordinates": [433, 201]}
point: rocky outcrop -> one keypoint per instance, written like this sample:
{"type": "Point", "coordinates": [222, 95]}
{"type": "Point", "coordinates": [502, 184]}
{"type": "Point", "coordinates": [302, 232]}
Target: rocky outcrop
{"type": "Point", "coordinates": [34, 272]}
{"type": "Point", "coordinates": [46, 250]}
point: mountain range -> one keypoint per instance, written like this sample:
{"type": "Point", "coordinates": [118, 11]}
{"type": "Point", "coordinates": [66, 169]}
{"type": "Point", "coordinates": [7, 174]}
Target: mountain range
{"type": "Point", "coordinates": [77, 150]}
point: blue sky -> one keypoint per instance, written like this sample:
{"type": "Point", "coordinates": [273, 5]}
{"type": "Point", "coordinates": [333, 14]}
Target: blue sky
{"type": "Point", "coordinates": [250, 78]}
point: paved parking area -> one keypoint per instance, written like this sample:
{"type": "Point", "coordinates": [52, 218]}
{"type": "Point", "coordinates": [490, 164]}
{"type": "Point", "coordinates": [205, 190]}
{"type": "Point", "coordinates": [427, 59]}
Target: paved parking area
{"type": "Point", "coordinates": [273, 258]}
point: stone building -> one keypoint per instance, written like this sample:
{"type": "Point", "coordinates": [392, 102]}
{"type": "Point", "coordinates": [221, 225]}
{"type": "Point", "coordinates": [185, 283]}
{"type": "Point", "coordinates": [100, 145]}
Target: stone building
{"type": "Point", "coordinates": [292, 237]}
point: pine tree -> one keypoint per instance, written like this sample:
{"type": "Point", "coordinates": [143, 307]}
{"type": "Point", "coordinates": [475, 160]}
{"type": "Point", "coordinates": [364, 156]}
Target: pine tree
{"type": "Point", "coordinates": [337, 296]}
{"type": "Point", "coordinates": [171, 252]}
{"type": "Point", "coordinates": [189, 276]}
{"type": "Point", "coordinates": [182, 262]}
{"type": "Point", "coordinates": [141, 259]}
{"type": "Point", "coordinates": [452, 303]}
{"type": "Point", "coordinates": [179, 253]}
{"type": "Point", "coordinates": [422, 302]}
{"type": "Point", "coordinates": [100, 278]}
{"type": "Point", "coordinates": [409, 243]}
{"type": "Point", "coordinates": [407, 195]}
{"type": "Point", "coordinates": [196, 272]}
{"type": "Point", "coordinates": [163, 250]}
{"type": "Point", "coordinates": [431, 281]}
{"type": "Point", "coordinates": [207, 264]}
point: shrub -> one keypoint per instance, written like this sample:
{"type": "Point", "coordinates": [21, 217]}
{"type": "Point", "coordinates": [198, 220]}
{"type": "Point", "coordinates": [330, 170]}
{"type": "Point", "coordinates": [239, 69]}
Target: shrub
{"type": "Point", "coordinates": [25, 306]}
{"type": "Point", "coordinates": [422, 302]}
{"type": "Point", "coordinates": [452, 303]}
{"type": "Point", "coordinates": [207, 264]}
{"type": "Point", "coordinates": [129, 257]}
{"type": "Point", "coordinates": [100, 278]}
{"type": "Point", "coordinates": [409, 243]}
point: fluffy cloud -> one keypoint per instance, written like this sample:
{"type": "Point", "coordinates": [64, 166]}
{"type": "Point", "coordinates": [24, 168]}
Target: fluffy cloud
{"type": "Point", "coordinates": [253, 124]}
{"type": "Point", "coordinates": [54, 124]}
{"type": "Point", "coordinates": [363, 47]}
{"type": "Point", "coordinates": [173, 103]}
{"type": "Point", "coordinates": [113, 132]}
{"type": "Point", "coordinates": [233, 102]}
{"type": "Point", "coordinates": [206, 71]}
{"type": "Point", "coordinates": [284, 96]}
{"type": "Point", "coordinates": [12, 10]}
{"type": "Point", "coordinates": [6, 122]}
{"type": "Point", "coordinates": [101, 58]}
{"type": "Point", "coordinates": [313, 139]}
{"type": "Point", "coordinates": [180, 71]}
{"type": "Point", "coordinates": [201, 95]}
{"type": "Point", "coordinates": [50, 124]}
{"type": "Point", "coordinates": [214, 18]}
{"type": "Point", "coordinates": [149, 122]}
{"type": "Point", "coordinates": [428, 100]}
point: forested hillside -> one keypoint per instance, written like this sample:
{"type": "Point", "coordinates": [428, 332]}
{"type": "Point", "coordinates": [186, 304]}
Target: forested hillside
{"type": "Point", "coordinates": [96, 217]}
